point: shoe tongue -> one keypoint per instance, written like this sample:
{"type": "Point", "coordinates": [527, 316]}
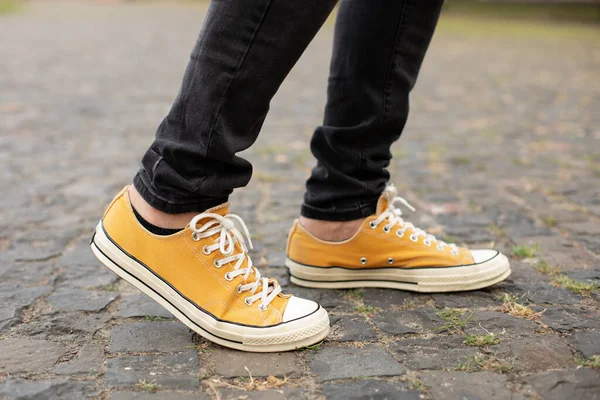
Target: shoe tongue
{"type": "Point", "coordinates": [222, 209]}
{"type": "Point", "coordinates": [386, 198]}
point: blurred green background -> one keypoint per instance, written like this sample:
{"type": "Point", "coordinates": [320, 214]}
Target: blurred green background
{"type": "Point", "coordinates": [583, 11]}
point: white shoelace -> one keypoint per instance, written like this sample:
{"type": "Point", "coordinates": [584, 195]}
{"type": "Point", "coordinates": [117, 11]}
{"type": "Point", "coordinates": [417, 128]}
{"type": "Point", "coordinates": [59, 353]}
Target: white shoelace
{"type": "Point", "coordinates": [229, 236]}
{"type": "Point", "coordinates": [394, 217]}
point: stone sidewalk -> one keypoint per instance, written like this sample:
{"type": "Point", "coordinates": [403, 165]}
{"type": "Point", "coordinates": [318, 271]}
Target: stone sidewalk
{"type": "Point", "coordinates": [502, 149]}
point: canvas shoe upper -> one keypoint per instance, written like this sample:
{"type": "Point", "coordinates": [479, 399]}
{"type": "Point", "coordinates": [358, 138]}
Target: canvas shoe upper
{"type": "Point", "coordinates": [387, 251]}
{"type": "Point", "coordinates": [204, 276]}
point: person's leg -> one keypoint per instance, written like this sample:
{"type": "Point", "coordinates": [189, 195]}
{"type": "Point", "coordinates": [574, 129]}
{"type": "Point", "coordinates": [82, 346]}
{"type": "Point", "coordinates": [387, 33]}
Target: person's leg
{"type": "Point", "coordinates": [379, 46]}
{"type": "Point", "coordinates": [201, 271]}
{"type": "Point", "coordinates": [351, 234]}
{"type": "Point", "coordinates": [245, 50]}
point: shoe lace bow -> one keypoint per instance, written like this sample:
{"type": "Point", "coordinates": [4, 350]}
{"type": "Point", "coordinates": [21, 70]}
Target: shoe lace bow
{"type": "Point", "coordinates": [229, 235]}
{"type": "Point", "coordinates": [393, 215]}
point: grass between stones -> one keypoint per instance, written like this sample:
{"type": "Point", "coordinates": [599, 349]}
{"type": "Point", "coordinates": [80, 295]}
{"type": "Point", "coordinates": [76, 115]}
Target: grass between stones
{"type": "Point", "coordinates": [455, 319]}
{"type": "Point", "coordinates": [480, 362]}
{"type": "Point", "coordinates": [543, 268]}
{"type": "Point", "coordinates": [154, 318]}
{"type": "Point", "coordinates": [511, 306]}
{"type": "Point", "coordinates": [550, 222]}
{"type": "Point", "coordinates": [418, 384]}
{"type": "Point", "coordinates": [574, 285]}
{"type": "Point", "coordinates": [521, 311]}
{"type": "Point", "coordinates": [250, 383]}
{"type": "Point", "coordinates": [565, 281]}
{"type": "Point", "coordinates": [369, 310]}
{"type": "Point", "coordinates": [559, 279]}
{"type": "Point", "coordinates": [110, 288]}
{"type": "Point", "coordinates": [201, 347]}
{"type": "Point", "coordinates": [313, 347]}
{"type": "Point", "coordinates": [481, 340]}
{"type": "Point", "coordinates": [524, 251]}
{"type": "Point", "coordinates": [593, 361]}
{"type": "Point", "coordinates": [148, 386]}
{"type": "Point", "coordinates": [355, 294]}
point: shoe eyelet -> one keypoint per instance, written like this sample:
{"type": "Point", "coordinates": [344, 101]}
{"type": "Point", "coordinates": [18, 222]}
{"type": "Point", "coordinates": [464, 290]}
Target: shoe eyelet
{"type": "Point", "coordinates": [386, 229]}
{"type": "Point", "coordinates": [247, 301]}
{"type": "Point", "coordinates": [363, 260]}
{"type": "Point", "coordinates": [206, 250]}
{"type": "Point", "coordinates": [196, 236]}
{"type": "Point", "coordinates": [454, 253]}
{"type": "Point", "coordinates": [414, 238]}
{"type": "Point", "coordinates": [390, 260]}
{"type": "Point", "coordinates": [216, 263]}
{"type": "Point", "coordinates": [239, 288]}
{"type": "Point", "coordinates": [426, 242]}
{"type": "Point", "coordinates": [439, 248]}
{"type": "Point", "coordinates": [372, 225]}
{"type": "Point", "coordinates": [262, 307]}
{"type": "Point", "coordinates": [228, 277]}
{"type": "Point", "coordinates": [399, 233]}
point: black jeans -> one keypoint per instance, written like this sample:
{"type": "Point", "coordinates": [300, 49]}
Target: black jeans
{"type": "Point", "coordinates": [244, 52]}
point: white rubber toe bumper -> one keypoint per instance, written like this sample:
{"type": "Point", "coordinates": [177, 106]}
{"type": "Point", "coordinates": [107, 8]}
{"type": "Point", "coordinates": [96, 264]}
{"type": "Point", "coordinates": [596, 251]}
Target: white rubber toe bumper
{"type": "Point", "coordinates": [481, 256]}
{"type": "Point", "coordinates": [298, 308]}
{"type": "Point", "coordinates": [490, 267]}
{"type": "Point", "coordinates": [304, 324]}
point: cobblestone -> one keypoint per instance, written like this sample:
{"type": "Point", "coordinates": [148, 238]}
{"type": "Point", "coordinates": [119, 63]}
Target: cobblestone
{"type": "Point", "coordinates": [500, 150]}
{"type": "Point", "coordinates": [352, 329]}
{"type": "Point", "coordinates": [64, 299]}
{"type": "Point", "coordinates": [176, 371]}
{"type": "Point", "coordinates": [158, 396]}
{"type": "Point", "coordinates": [273, 394]}
{"type": "Point", "coordinates": [88, 361]}
{"type": "Point", "coordinates": [28, 355]}
{"type": "Point", "coordinates": [537, 354]}
{"type": "Point", "coordinates": [369, 389]}
{"type": "Point", "coordinates": [479, 299]}
{"type": "Point", "coordinates": [140, 305]}
{"type": "Point", "coordinates": [14, 298]}
{"type": "Point", "coordinates": [587, 343]}
{"type": "Point", "coordinates": [463, 385]}
{"type": "Point", "coordinates": [57, 389]}
{"type": "Point", "coordinates": [396, 322]}
{"type": "Point", "coordinates": [444, 352]}
{"type": "Point", "coordinates": [578, 384]}
{"type": "Point", "coordinates": [340, 362]}
{"type": "Point", "coordinates": [486, 322]}
{"type": "Point", "coordinates": [71, 327]}
{"type": "Point", "coordinates": [231, 364]}
{"type": "Point", "coordinates": [566, 319]}
{"type": "Point", "coordinates": [150, 337]}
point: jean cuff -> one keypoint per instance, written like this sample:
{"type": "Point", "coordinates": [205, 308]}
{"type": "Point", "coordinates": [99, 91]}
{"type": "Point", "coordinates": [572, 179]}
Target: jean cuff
{"type": "Point", "coordinates": [363, 211]}
{"type": "Point", "coordinates": [174, 207]}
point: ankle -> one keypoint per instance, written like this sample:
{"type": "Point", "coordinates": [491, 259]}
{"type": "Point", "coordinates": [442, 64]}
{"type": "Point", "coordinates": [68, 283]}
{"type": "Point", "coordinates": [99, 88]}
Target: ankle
{"type": "Point", "coordinates": [156, 217]}
{"type": "Point", "coordinates": [331, 231]}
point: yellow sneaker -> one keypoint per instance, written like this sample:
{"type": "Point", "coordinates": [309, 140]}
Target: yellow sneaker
{"type": "Point", "coordinates": [204, 276]}
{"type": "Point", "coordinates": [388, 252]}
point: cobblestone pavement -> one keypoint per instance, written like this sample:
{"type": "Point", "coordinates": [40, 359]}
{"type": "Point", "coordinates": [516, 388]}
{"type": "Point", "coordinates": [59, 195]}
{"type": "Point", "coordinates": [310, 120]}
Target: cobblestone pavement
{"type": "Point", "coordinates": [502, 149]}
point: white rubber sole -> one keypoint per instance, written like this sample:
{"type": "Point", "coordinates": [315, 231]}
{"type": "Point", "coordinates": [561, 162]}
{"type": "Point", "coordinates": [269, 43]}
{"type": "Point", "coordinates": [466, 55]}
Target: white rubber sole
{"type": "Point", "coordinates": [286, 336]}
{"type": "Point", "coordinates": [425, 280]}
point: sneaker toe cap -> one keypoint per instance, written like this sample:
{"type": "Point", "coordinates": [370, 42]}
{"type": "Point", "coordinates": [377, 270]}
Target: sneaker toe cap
{"type": "Point", "coordinates": [481, 256]}
{"type": "Point", "coordinates": [298, 308]}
